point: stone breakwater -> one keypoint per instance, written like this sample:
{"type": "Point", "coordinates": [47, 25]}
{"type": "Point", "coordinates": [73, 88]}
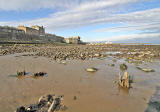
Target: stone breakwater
{"type": "Point", "coordinates": [132, 53]}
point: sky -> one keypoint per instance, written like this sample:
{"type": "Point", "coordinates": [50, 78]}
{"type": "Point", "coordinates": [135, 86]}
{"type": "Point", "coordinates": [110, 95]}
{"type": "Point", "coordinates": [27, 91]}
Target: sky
{"type": "Point", "coordinates": [92, 20]}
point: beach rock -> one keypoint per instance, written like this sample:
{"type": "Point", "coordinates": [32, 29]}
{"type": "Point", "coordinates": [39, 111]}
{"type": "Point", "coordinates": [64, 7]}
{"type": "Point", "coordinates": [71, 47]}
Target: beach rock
{"type": "Point", "coordinates": [123, 67]}
{"type": "Point", "coordinates": [75, 98]}
{"type": "Point", "coordinates": [23, 73]}
{"type": "Point", "coordinates": [21, 109]}
{"type": "Point", "coordinates": [39, 74]}
{"type": "Point", "coordinates": [146, 69]}
{"type": "Point", "coordinates": [48, 103]}
{"type": "Point", "coordinates": [63, 62]}
{"type": "Point", "coordinates": [124, 81]}
{"type": "Point", "coordinates": [114, 60]}
{"type": "Point", "coordinates": [97, 55]}
{"type": "Point", "coordinates": [84, 52]}
{"type": "Point", "coordinates": [112, 65]}
{"type": "Point", "coordinates": [92, 69]}
{"type": "Point", "coordinates": [63, 108]}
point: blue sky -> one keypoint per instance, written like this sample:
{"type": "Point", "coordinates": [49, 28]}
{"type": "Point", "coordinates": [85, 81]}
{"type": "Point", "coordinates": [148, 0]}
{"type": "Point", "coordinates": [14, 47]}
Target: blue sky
{"type": "Point", "coordinates": [93, 20]}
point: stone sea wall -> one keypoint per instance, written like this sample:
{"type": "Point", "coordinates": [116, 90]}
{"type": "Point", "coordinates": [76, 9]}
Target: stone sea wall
{"type": "Point", "coordinates": [10, 36]}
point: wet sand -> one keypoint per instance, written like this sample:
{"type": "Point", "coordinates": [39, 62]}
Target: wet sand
{"type": "Point", "coordinates": [95, 92]}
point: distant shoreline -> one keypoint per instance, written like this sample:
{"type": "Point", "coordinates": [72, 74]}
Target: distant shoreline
{"type": "Point", "coordinates": [137, 44]}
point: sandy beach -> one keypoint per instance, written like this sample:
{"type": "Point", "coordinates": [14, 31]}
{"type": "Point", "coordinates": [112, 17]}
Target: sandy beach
{"type": "Point", "coordinates": [95, 92]}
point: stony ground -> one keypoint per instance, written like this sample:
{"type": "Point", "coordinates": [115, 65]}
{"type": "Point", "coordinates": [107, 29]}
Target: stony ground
{"type": "Point", "coordinates": [133, 53]}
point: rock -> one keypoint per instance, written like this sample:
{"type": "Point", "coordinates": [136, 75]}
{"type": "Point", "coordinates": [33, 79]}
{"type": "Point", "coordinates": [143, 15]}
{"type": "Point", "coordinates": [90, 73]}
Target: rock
{"type": "Point", "coordinates": [84, 52]}
{"type": "Point", "coordinates": [146, 69]}
{"type": "Point", "coordinates": [21, 109]}
{"type": "Point", "coordinates": [75, 98]}
{"type": "Point", "coordinates": [114, 82]}
{"type": "Point", "coordinates": [130, 61]}
{"type": "Point", "coordinates": [48, 103]}
{"type": "Point", "coordinates": [97, 55]}
{"type": "Point", "coordinates": [23, 73]}
{"type": "Point", "coordinates": [124, 81]}
{"type": "Point", "coordinates": [39, 74]}
{"type": "Point", "coordinates": [114, 60]}
{"type": "Point", "coordinates": [92, 69]}
{"type": "Point", "coordinates": [63, 108]}
{"type": "Point", "coordinates": [63, 62]}
{"type": "Point", "coordinates": [54, 105]}
{"type": "Point", "coordinates": [123, 67]}
{"type": "Point", "coordinates": [112, 65]}
{"type": "Point", "coordinates": [33, 108]}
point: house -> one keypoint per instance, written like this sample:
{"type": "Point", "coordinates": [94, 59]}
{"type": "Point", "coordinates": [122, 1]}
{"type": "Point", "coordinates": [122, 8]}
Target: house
{"type": "Point", "coordinates": [108, 42]}
{"type": "Point", "coordinates": [7, 29]}
{"type": "Point", "coordinates": [53, 38]}
{"type": "Point", "coordinates": [33, 30]}
{"type": "Point", "coordinates": [73, 40]}
{"type": "Point", "coordinates": [41, 29]}
{"type": "Point", "coordinates": [7, 33]}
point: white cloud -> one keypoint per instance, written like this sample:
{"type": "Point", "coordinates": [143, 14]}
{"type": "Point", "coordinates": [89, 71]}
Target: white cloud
{"type": "Point", "coordinates": [82, 4]}
{"type": "Point", "coordinates": [81, 16]}
{"type": "Point", "coordinates": [24, 5]}
{"type": "Point", "coordinates": [132, 36]}
{"type": "Point", "coordinates": [143, 27]}
{"type": "Point", "coordinates": [129, 36]}
{"type": "Point", "coordinates": [86, 12]}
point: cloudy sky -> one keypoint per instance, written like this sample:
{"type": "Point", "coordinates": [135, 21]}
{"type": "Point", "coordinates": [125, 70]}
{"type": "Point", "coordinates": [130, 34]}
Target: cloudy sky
{"type": "Point", "coordinates": [93, 20]}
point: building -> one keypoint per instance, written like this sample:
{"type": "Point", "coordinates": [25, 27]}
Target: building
{"type": "Point", "coordinates": [73, 40]}
{"type": "Point", "coordinates": [54, 38]}
{"type": "Point", "coordinates": [28, 30]}
{"type": "Point", "coordinates": [33, 30]}
{"type": "Point", "coordinates": [40, 29]}
{"type": "Point", "coordinates": [9, 33]}
{"type": "Point", "coordinates": [108, 42]}
{"type": "Point", "coordinates": [7, 29]}
{"type": "Point", "coordinates": [33, 33]}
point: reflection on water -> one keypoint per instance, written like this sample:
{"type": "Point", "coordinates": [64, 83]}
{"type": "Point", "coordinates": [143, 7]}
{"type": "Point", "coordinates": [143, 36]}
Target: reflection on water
{"type": "Point", "coordinates": [123, 90]}
{"type": "Point", "coordinates": [14, 75]}
{"type": "Point", "coordinates": [27, 73]}
{"type": "Point", "coordinates": [113, 53]}
{"type": "Point", "coordinates": [21, 77]}
{"type": "Point", "coordinates": [39, 77]}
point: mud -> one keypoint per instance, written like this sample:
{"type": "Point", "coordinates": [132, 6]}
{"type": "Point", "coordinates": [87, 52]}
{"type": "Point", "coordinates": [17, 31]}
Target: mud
{"type": "Point", "coordinates": [95, 92]}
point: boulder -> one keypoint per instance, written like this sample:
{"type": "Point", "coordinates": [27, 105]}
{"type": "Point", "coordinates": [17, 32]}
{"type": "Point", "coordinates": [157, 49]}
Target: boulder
{"type": "Point", "coordinates": [39, 74]}
{"type": "Point", "coordinates": [92, 69]}
{"type": "Point", "coordinates": [48, 103]}
{"type": "Point", "coordinates": [123, 67]}
{"type": "Point", "coordinates": [21, 73]}
{"type": "Point", "coordinates": [146, 69]}
{"type": "Point", "coordinates": [124, 81]}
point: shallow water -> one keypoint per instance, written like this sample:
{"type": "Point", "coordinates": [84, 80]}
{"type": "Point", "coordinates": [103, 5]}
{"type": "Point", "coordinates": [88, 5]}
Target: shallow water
{"type": "Point", "coordinates": [95, 92]}
{"type": "Point", "coordinates": [114, 52]}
